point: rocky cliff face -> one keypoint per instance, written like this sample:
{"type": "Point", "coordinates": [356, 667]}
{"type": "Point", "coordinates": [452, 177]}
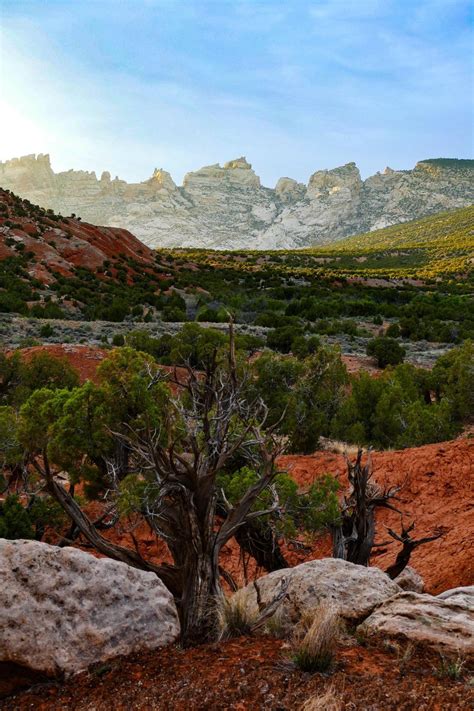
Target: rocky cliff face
{"type": "Point", "coordinates": [227, 207]}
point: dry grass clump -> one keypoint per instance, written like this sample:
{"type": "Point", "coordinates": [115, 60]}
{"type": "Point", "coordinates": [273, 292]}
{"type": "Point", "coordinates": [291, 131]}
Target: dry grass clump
{"type": "Point", "coordinates": [329, 701]}
{"type": "Point", "coordinates": [336, 446]}
{"type": "Point", "coordinates": [277, 625]}
{"type": "Point", "coordinates": [236, 617]}
{"type": "Point", "coordinates": [315, 639]}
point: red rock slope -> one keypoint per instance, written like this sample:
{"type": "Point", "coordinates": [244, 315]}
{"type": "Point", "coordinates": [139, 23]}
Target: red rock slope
{"type": "Point", "coordinates": [438, 492]}
{"type": "Point", "coordinates": [59, 244]}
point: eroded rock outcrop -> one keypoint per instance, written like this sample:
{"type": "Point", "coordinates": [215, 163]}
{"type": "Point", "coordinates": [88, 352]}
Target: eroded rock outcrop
{"type": "Point", "coordinates": [445, 621]}
{"type": "Point", "coordinates": [226, 207]}
{"type": "Point", "coordinates": [62, 610]}
{"type": "Point", "coordinates": [354, 589]}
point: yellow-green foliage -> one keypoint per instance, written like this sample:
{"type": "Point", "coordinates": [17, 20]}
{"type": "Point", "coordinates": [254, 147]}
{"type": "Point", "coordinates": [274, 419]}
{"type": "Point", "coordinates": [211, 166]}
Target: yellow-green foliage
{"type": "Point", "coordinates": [446, 238]}
{"type": "Point", "coordinates": [438, 246]}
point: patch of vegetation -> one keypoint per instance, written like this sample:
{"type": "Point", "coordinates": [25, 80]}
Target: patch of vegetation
{"type": "Point", "coordinates": [315, 639]}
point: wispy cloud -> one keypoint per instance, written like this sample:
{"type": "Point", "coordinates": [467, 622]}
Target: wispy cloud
{"type": "Point", "coordinates": [130, 85]}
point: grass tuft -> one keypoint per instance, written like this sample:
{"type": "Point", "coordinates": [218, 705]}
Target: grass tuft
{"type": "Point", "coordinates": [236, 617]}
{"type": "Point", "coordinates": [315, 639]}
{"type": "Point", "coordinates": [329, 701]}
{"type": "Point", "coordinates": [450, 668]}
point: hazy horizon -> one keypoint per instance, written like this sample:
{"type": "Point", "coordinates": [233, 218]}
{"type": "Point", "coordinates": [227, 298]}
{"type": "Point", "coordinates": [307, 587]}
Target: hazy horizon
{"type": "Point", "coordinates": [130, 86]}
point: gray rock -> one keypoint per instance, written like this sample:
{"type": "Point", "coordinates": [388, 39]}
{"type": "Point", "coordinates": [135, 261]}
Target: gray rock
{"type": "Point", "coordinates": [445, 622]}
{"type": "Point", "coordinates": [62, 610]}
{"type": "Point", "coordinates": [410, 580]}
{"type": "Point", "coordinates": [462, 596]}
{"type": "Point", "coordinates": [354, 589]}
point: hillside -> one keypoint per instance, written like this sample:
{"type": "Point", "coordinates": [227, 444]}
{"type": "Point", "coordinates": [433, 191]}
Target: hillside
{"type": "Point", "coordinates": [440, 245]}
{"type": "Point", "coordinates": [40, 251]}
{"type": "Point", "coordinates": [451, 231]}
{"type": "Point", "coordinates": [226, 207]}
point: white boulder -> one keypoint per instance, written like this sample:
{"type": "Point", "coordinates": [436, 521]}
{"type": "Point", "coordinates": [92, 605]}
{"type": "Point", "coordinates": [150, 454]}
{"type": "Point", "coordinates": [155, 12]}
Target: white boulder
{"type": "Point", "coordinates": [410, 580]}
{"type": "Point", "coordinates": [62, 610]}
{"type": "Point", "coordinates": [445, 621]}
{"type": "Point", "coordinates": [354, 589]}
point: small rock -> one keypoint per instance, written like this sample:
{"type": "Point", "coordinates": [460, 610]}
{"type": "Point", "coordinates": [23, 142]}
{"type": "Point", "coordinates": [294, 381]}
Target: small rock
{"type": "Point", "coordinates": [410, 580]}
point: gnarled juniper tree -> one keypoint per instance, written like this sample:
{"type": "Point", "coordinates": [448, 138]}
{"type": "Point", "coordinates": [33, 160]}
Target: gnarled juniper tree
{"type": "Point", "coordinates": [174, 446]}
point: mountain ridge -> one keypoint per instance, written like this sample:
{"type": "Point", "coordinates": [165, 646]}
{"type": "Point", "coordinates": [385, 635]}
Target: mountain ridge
{"type": "Point", "coordinates": [226, 207]}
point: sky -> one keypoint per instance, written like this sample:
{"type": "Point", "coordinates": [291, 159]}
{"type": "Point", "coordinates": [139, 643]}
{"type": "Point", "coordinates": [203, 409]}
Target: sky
{"type": "Point", "coordinates": [297, 86]}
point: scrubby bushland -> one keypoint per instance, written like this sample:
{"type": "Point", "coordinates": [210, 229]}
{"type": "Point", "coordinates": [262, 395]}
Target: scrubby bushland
{"type": "Point", "coordinates": [303, 395]}
{"type": "Point", "coordinates": [310, 394]}
{"type": "Point", "coordinates": [408, 406]}
{"type": "Point", "coordinates": [423, 267]}
{"type": "Point", "coordinates": [20, 378]}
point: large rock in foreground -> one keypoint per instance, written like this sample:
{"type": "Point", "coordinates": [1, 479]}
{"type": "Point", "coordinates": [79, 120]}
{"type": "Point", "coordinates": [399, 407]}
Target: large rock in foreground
{"type": "Point", "coordinates": [446, 621]}
{"type": "Point", "coordinates": [354, 589]}
{"type": "Point", "coordinates": [62, 610]}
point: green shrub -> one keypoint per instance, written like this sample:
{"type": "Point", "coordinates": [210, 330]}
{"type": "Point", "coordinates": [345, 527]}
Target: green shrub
{"type": "Point", "coordinates": [14, 519]}
{"type": "Point", "coordinates": [387, 351]}
{"type": "Point", "coordinates": [118, 339]}
{"type": "Point", "coordinates": [46, 331]}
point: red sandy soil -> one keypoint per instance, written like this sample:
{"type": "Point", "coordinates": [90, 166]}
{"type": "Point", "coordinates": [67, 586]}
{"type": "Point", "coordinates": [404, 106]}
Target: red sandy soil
{"type": "Point", "coordinates": [250, 674]}
{"type": "Point", "coordinates": [355, 364]}
{"type": "Point", "coordinates": [83, 358]}
{"type": "Point", "coordinates": [86, 359]}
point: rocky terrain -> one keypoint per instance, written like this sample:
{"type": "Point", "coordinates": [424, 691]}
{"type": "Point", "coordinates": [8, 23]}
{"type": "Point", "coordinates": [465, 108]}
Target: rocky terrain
{"type": "Point", "coordinates": [406, 643]}
{"type": "Point", "coordinates": [17, 332]}
{"type": "Point", "coordinates": [226, 207]}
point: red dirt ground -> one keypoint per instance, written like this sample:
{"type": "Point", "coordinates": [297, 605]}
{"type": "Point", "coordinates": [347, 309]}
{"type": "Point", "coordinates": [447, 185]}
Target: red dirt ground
{"type": "Point", "coordinates": [248, 674]}
{"type": "Point", "coordinates": [83, 358]}
{"type": "Point", "coordinates": [355, 364]}
{"type": "Point", "coordinates": [438, 493]}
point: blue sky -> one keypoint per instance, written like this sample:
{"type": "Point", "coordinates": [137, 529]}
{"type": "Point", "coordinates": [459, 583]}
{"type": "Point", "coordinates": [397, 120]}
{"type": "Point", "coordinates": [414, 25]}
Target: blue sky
{"type": "Point", "coordinates": [296, 86]}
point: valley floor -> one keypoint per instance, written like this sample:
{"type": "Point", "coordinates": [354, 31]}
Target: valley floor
{"type": "Point", "coordinates": [16, 330]}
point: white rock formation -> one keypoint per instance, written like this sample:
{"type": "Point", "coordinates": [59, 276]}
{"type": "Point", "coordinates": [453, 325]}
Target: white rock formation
{"type": "Point", "coordinates": [226, 207]}
{"type": "Point", "coordinates": [62, 610]}
{"type": "Point", "coordinates": [354, 589]}
{"type": "Point", "coordinates": [445, 622]}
